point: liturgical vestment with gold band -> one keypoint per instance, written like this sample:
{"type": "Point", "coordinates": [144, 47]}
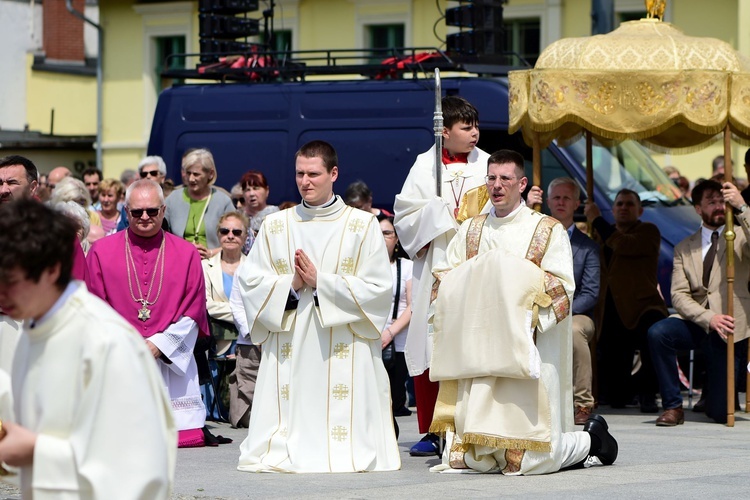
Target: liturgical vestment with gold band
{"type": "Point", "coordinates": [506, 419]}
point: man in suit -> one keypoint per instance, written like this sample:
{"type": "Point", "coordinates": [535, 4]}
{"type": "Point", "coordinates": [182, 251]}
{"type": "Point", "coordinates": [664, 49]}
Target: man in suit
{"type": "Point", "coordinates": [563, 198]}
{"type": "Point", "coordinates": [698, 296]}
{"type": "Point", "coordinates": [629, 302]}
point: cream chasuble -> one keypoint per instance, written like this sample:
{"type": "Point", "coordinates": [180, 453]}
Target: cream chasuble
{"type": "Point", "coordinates": [422, 218]}
{"type": "Point", "coordinates": [84, 381]}
{"type": "Point", "coordinates": [322, 397]}
{"type": "Point", "coordinates": [511, 403]}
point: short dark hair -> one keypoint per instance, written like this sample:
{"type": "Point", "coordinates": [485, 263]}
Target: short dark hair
{"type": "Point", "coordinates": [253, 178]}
{"type": "Point", "coordinates": [32, 174]}
{"type": "Point", "coordinates": [628, 192]}
{"type": "Point", "coordinates": [747, 157]}
{"type": "Point", "coordinates": [458, 110]}
{"type": "Point", "coordinates": [357, 192]}
{"type": "Point", "coordinates": [36, 237]}
{"type": "Point", "coordinates": [700, 191]}
{"type": "Point", "coordinates": [92, 171]}
{"type": "Point", "coordinates": [322, 150]}
{"type": "Point", "coordinates": [503, 156]}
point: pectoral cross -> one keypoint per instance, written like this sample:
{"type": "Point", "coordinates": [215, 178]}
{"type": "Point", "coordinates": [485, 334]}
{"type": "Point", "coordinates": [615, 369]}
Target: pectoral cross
{"type": "Point", "coordinates": [144, 313]}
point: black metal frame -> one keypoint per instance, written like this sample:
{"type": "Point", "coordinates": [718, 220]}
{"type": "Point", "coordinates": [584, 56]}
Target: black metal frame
{"type": "Point", "coordinates": [298, 65]}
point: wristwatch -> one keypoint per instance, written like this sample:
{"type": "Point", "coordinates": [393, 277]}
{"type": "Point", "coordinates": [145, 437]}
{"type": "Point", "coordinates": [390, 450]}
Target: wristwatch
{"type": "Point", "coordinates": [742, 208]}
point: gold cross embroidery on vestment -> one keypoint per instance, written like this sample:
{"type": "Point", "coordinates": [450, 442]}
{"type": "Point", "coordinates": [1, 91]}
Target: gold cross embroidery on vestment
{"type": "Point", "coordinates": [340, 392]}
{"type": "Point", "coordinates": [356, 225]}
{"type": "Point", "coordinates": [276, 226]}
{"type": "Point", "coordinates": [282, 266]}
{"type": "Point", "coordinates": [347, 265]}
{"type": "Point", "coordinates": [286, 350]}
{"type": "Point", "coordinates": [339, 433]}
{"type": "Point", "coordinates": [341, 350]}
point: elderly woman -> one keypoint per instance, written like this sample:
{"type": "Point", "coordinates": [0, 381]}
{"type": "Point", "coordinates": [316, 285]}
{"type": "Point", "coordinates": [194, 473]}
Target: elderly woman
{"type": "Point", "coordinates": [255, 192]}
{"type": "Point", "coordinates": [111, 191]}
{"type": "Point", "coordinates": [218, 272]}
{"type": "Point", "coordinates": [71, 189]}
{"type": "Point", "coordinates": [81, 217]}
{"type": "Point", "coordinates": [198, 205]}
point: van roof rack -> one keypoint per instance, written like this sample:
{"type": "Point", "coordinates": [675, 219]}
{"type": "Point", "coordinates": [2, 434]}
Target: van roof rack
{"type": "Point", "coordinates": [260, 65]}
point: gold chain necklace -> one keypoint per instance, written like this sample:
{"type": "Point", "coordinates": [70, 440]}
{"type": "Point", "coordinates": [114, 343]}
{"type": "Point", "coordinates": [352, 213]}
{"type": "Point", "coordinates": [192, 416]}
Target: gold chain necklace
{"type": "Point", "coordinates": [144, 312]}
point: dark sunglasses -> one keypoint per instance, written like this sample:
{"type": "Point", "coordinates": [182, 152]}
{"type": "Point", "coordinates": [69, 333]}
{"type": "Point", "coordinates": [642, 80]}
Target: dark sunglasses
{"type": "Point", "coordinates": [237, 201]}
{"type": "Point", "coordinates": [225, 231]}
{"type": "Point", "coordinates": [138, 212]}
{"type": "Point", "coordinates": [152, 173]}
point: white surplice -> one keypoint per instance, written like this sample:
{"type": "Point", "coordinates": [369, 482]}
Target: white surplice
{"type": "Point", "coordinates": [478, 398]}
{"type": "Point", "coordinates": [421, 218]}
{"type": "Point", "coordinates": [322, 398]}
{"type": "Point", "coordinates": [86, 384]}
{"type": "Point", "coordinates": [181, 375]}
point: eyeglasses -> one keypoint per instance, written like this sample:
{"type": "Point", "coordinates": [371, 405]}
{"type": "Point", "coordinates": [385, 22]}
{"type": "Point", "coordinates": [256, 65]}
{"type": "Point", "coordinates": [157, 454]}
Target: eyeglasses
{"type": "Point", "coordinates": [238, 201]}
{"type": "Point", "coordinates": [138, 212]}
{"type": "Point", "coordinates": [505, 181]}
{"type": "Point", "coordinates": [388, 233]}
{"type": "Point", "coordinates": [225, 231]}
{"type": "Point", "coordinates": [152, 173]}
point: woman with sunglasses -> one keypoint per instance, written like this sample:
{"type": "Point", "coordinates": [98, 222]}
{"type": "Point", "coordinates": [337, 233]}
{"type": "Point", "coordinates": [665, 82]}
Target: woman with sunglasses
{"type": "Point", "coordinates": [218, 272]}
{"type": "Point", "coordinates": [197, 206]}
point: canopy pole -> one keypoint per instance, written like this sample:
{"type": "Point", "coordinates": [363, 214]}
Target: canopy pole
{"type": "Point", "coordinates": [589, 176]}
{"type": "Point", "coordinates": [537, 167]}
{"type": "Point", "coordinates": [729, 236]}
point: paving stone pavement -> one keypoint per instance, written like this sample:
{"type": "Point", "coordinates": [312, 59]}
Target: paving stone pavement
{"type": "Point", "coordinates": [699, 459]}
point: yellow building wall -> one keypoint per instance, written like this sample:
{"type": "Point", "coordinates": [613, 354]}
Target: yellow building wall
{"type": "Point", "coordinates": [72, 97]}
{"type": "Point", "coordinates": [424, 16]}
{"type": "Point", "coordinates": [123, 143]}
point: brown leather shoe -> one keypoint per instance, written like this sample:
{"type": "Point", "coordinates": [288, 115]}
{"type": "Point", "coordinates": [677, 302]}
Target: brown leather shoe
{"type": "Point", "coordinates": [581, 415]}
{"type": "Point", "coordinates": [671, 417]}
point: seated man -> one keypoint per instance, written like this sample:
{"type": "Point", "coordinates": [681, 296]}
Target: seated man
{"type": "Point", "coordinates": [699, 295]}
{"type": "Point", "coordinates": [502, 346]}
{"type": "Point", "coordinates": [91, 417]}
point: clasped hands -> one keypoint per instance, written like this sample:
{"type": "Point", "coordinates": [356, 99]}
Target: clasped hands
{"type": "Point", "coordinates": [304, 271]}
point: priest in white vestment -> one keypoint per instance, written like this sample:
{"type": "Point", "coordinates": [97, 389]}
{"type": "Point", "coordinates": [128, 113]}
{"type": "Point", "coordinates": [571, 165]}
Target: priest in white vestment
{"type": "Point", "coordinates": [316, 289]}
{"type": "Point", "coordinates": [79, 428]}
{"type": "Point", "coordinates": [503, 340]}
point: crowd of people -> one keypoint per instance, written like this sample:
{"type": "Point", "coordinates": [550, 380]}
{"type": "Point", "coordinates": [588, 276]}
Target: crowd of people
{"type": "Point", "coordinates": [305, 322]}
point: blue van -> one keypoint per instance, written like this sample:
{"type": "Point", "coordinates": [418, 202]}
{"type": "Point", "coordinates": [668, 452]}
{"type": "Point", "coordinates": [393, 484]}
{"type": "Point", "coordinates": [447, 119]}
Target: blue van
{"type": "Point", "coordinates": [378, 127]}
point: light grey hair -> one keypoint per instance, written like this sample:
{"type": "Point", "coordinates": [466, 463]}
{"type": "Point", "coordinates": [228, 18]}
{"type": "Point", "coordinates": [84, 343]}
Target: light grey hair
{"type": "Point", "coordinates": [565, 181]}
{"type": "Point", "coordinates": [144, 184]}
{"type": "Point", "coordinates": [76, 212]}
{"type": "Point", "coordinates": [202, 157]}
{"type": "Point", "coordinates": [71, 189]}
{"type": "Point", "coordinates": [153, 160]}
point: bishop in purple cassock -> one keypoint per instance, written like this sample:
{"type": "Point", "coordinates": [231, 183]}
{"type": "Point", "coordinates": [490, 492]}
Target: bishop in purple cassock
{"type": "Point", "coordinates": [155, 281]}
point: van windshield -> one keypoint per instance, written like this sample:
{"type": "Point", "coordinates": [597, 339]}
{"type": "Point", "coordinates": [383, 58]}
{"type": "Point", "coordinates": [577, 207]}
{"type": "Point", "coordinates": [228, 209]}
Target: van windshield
{"type": "Point", "coordinates": [629, 165]}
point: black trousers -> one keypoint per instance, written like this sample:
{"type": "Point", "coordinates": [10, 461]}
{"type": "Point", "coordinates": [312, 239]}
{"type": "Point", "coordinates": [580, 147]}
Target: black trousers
{"type": "Point", "coordinates": [615, 350]}
{"type": "Point", "coordinates": [398, 373]}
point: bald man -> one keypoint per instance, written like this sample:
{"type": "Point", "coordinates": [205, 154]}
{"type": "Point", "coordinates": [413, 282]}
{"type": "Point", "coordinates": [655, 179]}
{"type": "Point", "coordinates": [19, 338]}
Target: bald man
{"type": "Point", "coordinates": [57, 174]}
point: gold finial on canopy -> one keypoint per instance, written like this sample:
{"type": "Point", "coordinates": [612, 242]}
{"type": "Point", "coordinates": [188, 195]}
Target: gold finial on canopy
{"type": "Point", "coordinates": [655, 8]}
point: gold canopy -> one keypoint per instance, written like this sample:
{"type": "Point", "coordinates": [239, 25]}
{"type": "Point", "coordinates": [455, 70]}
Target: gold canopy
{"type": "Point", "coordinates": [646, 81]}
